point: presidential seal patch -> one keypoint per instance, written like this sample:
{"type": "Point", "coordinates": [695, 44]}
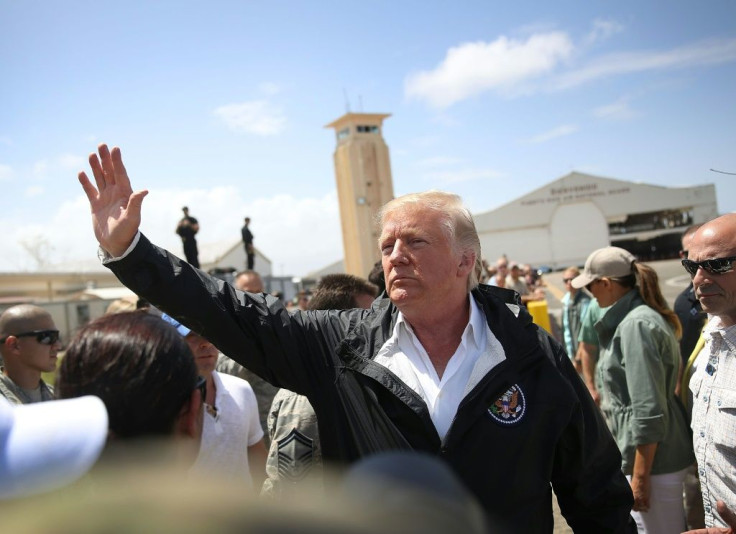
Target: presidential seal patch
{"type": "Point", "coordinates": [510, 407]}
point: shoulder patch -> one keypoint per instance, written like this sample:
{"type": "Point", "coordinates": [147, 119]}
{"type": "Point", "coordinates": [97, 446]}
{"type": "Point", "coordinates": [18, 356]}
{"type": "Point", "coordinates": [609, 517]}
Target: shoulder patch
{"type": "Point", "coordinates": [295, 456]}
{"type": "Point", "coordinates": [509, 408]}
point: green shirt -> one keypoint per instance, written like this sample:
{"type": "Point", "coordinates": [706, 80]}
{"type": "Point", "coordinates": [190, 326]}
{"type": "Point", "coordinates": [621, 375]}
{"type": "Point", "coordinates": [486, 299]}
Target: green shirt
{"type": "Point", "coordinates": [637, 371]}
{"type": "Point", "coordinates": [592, 315]}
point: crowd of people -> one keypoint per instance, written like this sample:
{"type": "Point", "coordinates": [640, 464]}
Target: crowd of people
{"type": "Point", "coordinates": [426, 396]}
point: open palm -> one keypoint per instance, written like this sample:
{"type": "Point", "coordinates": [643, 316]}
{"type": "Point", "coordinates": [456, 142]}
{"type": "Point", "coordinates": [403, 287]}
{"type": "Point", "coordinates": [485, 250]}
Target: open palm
{"type": "Point", "coordinates": [116, 209]}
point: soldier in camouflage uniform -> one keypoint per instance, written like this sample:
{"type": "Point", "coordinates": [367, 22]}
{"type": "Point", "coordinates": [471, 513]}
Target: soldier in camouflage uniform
{"type": "Point", "coordinates": [29, 343]}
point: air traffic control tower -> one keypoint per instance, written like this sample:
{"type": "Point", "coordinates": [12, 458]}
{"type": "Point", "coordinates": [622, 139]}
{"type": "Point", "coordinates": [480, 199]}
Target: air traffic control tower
{"type": "Point", "coordinates": [364, 184]}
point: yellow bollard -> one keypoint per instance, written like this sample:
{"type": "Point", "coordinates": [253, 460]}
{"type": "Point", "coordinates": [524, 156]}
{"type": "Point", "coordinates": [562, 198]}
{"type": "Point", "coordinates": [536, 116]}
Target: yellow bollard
{"type": "Point", "coordinates": [540, 314]}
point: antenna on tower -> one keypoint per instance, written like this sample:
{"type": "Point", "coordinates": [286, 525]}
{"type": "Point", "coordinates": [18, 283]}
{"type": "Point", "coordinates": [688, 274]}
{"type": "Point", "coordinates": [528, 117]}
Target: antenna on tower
{"type": "Point", "coordinates": [347, 102]}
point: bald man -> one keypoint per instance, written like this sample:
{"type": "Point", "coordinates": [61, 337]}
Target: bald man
{"type": "Point", "coordinates": [29, 343]}
{"type": "Point", "coordinates": [710, 263]}
{"type": "Point", "coordinates": [687, 307]}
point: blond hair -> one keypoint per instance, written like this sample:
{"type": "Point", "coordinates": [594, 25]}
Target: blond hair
{"type": "Point", "coordinates": [457, 221]}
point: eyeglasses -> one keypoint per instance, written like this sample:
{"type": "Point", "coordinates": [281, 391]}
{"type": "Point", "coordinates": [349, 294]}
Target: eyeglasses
{"type": "Point", "coordinates": [566, 280]}
{"type": "Point", "coordinates": [44, 337]}
{"type": "Point", "coordinates": [590, 285]}
{"type": "Point", "coordinates": [714, 266]}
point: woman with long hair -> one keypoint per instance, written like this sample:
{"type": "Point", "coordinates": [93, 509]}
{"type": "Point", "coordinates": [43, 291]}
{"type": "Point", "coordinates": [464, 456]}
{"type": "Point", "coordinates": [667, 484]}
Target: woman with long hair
{"type": "Point", "coordinates": [636, 375]}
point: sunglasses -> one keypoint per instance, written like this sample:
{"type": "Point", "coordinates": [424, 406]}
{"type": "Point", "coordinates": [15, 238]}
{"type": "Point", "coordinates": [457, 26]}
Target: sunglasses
{"type": "Point", "coordinates": [590, 285]}
{"type": "Point", "coordinates": [714, 266]}
{"type": "Point", "coordinates": [44, 337]}
{"type": "Point", "coordinates": [566, 280]}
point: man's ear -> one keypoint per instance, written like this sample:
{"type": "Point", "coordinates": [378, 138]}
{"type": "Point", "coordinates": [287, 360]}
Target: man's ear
{"type": "Point", "coordinates": [467, 263]}
{"type": "Point", "coordinates": [11, 343]}
{"type": "Point", "coordinates": [189, 422]}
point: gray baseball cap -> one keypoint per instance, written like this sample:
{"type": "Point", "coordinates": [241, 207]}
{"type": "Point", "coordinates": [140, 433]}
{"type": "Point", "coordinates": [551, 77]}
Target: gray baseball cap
{"type": "Point", "coordinates": [611, 262]}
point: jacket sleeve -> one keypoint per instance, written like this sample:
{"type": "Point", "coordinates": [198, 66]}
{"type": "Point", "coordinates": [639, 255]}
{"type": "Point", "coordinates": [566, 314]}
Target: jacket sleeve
{"type": "Point", "coordinates": [593, 493]}
{"type": "Point", "coordinates": [288, 350]}
{"type": "Point", "coordinates": [645, 379]}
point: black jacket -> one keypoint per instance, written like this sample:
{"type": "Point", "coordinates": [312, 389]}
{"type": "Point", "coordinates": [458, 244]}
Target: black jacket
{"type": "Point", "coordinates": [692, 318]}
{"type": "Point", "coordinates": [553, 435]}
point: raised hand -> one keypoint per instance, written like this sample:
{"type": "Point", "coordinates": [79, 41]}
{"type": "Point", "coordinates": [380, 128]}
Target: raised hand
{"type": "Point", "coordinates": [116, 209]}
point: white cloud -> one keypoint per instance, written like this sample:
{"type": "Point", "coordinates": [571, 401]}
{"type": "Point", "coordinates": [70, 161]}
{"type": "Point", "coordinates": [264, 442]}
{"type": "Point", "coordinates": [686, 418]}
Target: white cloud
{"type": "Point", "coordinates": [602, 30]}
{"type": "Point", "coordinates": [560, 131]}
{"type": "Point", "coordinates": [473, 68]}
{"type": "Point", "coordinates": [619, 110]}
{"type": "Point", "coordinates": [6, 172]}
{"type": "Point", "coordinates": [67, 233]}
{"type": "Point", "coordinates": [258, 117]}
{"type": "Point", "coordinates": [710, 52]}
{"type": "Point", "coordinates": [278, 222]}
{"type": "Point", "coordinates": [542, 62]}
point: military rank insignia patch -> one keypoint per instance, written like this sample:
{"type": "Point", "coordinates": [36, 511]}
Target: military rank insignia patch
{"type": "Point", "coordinates": [510, 407]}
{"type": "Point", "coordinates": [296, 456]}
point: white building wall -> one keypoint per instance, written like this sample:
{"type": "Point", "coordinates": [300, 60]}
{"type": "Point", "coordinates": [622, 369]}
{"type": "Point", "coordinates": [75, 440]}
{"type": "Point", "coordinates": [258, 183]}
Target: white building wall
{"type": "Point", "coordinates": [525, 245]}
{"type": "Point", "coordinates": [575, 231]}
{"type": "Point", "coordinates": [231, 254]}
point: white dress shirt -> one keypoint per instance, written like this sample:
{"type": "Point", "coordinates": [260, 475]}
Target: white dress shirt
{"type": "Point", "coordinates": [479, 351]}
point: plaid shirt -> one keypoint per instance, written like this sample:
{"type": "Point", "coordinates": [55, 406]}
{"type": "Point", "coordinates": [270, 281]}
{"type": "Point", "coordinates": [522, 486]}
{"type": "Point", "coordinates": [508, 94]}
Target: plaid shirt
{"type": "Point", "coordinates": [714, 418]}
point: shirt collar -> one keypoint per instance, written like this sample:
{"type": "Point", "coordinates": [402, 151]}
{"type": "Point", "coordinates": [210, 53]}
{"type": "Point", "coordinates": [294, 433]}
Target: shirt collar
{"type": "Point", "coordinates": [715, 325]}
{"type": "Point", "coordinates": [474, 331]}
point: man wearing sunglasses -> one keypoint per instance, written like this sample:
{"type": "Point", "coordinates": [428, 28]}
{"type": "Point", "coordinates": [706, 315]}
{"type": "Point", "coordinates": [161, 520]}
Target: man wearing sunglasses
{"type": "Point", "coordinates": [29, 343]}
{"type": "Point", "coordinates": [710, 262]}
{"type": "Point", "coordinates": [687, 307]}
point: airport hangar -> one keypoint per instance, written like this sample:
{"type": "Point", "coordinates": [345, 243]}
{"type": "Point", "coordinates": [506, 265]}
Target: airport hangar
{"type": "Point", "coordinates": [562, 222]}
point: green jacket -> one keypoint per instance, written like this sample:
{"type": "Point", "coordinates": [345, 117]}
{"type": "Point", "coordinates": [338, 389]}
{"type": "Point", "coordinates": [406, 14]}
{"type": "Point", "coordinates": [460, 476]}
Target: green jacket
{"type": "Point", "coordinates": [637, 369]}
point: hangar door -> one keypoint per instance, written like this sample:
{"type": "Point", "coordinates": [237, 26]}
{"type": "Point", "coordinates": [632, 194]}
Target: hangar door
{"type": "Point", "coordinates": [576, 230]}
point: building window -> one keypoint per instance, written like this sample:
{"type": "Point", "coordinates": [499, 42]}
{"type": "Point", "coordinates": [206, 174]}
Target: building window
{"type": "Point", "coordinates": [653, 220]}
{"type": "Point", "coordinates": [368, 129]}
{"type": "Point", "coordinates": [342, 134]}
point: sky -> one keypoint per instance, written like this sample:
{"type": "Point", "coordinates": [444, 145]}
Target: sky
{"type": "Point", "coordinates": [222, 106]}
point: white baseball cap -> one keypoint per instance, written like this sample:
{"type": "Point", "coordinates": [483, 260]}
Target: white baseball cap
{"type": "Point", "coordinates": [46, 445]}
{"type": "Point", "coordinates": [611, 262]}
